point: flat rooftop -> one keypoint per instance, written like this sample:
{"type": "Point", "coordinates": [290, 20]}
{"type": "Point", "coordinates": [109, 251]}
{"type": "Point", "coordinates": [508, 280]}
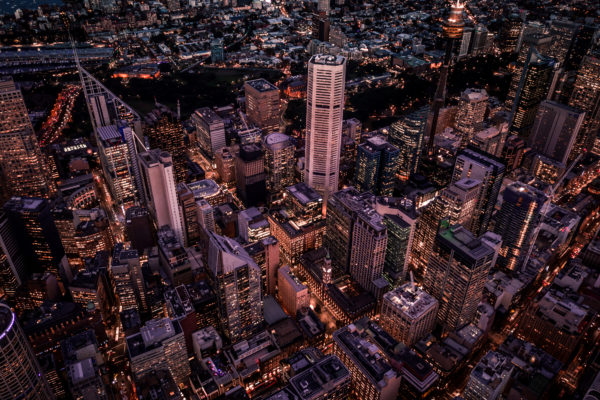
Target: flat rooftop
{"type": "Point", "coordinates": [411, 300]}
{"type": "Point", "coordinates": [325, 59]}
{"type": "Point", "coordinates": [261, 85]}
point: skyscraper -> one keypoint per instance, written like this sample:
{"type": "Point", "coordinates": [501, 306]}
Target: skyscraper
{"type": "Point", "coordinates": [279, 162]}
{"type": "Point", "coordinates": [477, 165]}
{"type": "Point", "coordinates": [356, 237]}
{"type": "Point", "coordinates": [532, 41]}
{"type": "Point", "coordinates": [489, 377]}
{"type": "Point", "coordinates": [164, 131]}
{"type": "Point", "coordinates": [161, 195]}
{"type": "Point", "coordinates": [563, 34]}
{"type": "Point", "coordinates": [408, 135]}
{"type": "Point", "coordinates": [119, 164]}
{"type": "Point", "coordinates": [20, 375]}
{"type": "Point", "coordinates": [250, 174]}
{"type": "Point", "coordinates": [535, 83]}
{"type": "Point", "coordinates": [376, 166]}
{"type": "Point", "coordinates": [456, 275]}
{"type": "Point", "coordinates": [510, 32]}
{"type": "Point", "coordinates": [262, 104]}
{"type": "Point", "coordinates": [237, 285]}
{"type": "Point", "coordinates": [107, 110]}
{"type": "Point", "coordinates": [471, 112]}
{"type": "Point", "coordinates": [36, 233]}
{"type": "Point", "coordinates": [555, 129]}
{"type": "Point", "coordinates": [12, 268]}
{"type": "Point", "coordinates": [210, 130]}
{"type": "Point", "coordinates": [453, 30]}
{"type": "Point", "coordinates": [22, 165]}
{"type": "Point", "coordinates": [586, 97]}
{"type": "Point", "coordinates": [516, 221]}
{"type": "Point", "coordinates": [324, 111]}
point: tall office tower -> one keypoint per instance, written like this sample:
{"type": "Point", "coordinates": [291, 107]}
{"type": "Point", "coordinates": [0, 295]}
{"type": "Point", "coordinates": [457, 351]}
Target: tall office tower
{"type": "Point", "coordinates": [581, 45]}
{"type": "Point", "coordinates": [321, 26]}
{"type": "Point", "coordinates": [107, 110]}
{"type": "Point", "coordinates": [250, 174]}
{"type": "Point", "coordinates": [479, 166]}
{"type": "Point", "coordinates": [205, 215]}
{"type": "Point", "coordinates": [127, 278]}
{"type": "Point", "coordinates": [376, 166]}
{"type": "Point", "coordinates": [479, 41]}
{"type": "Point", "coordinates": [586, 97]}
{"type": "Point", "coordinates": [471, 112]}
{"type": "Point", "coordinates": [356, 237]}
{"type": "Point", "coordinates": [262, 104]}
{"type": "Point", "coordinates": [189, 213]}
{"type": "Point", "coordinates": [555, 129]}
{"type": "Point", "coordinates": [465, 42]}
{"type": "Point", "coordinates": [118, 164]}
{"type": "Point", "coordinates": [516, 221]}
{"type": "Point", "coordinates": [408, 313]}
{"type": "Point", "coordinates": [512, 154]}
{"type": "Point", "coordinates": [160, 344]}
{"type": "Point", "coordinates": [217, 51]}
{"type": "Point", "coordinates": [372, 377]}
{"type": "Point", "coordinates": [12, 268]}
{"type": "Point", "coordinates": [279, 162]}
{"type": "Point", "coordinates": [453, 30]}
{"type": "Point", "coordinates": [489, 377]}
{"type": "Point", "coordinates": [238, 287]}
{"type": "Point", "coordinates": [324, 111]}
{"type": "Point", "coordinates": [461, 198]}
{"type": "Point", "coordinates": [210, 130]}
{"type": "Point", "coordinates": [400, 218]}
{"type": "Point", "coordinates": [161, 195]}
{"type": "Point", "coordinates": [35, 232]}
{"type": "Point", "coordinates": [563, 34]}
{"type": "Point", "coordinates": [510, 32]}
{"type": "Point", "coordinates": [164, 131]}
{"type": "Point", "coordinates": [408, 135]}
{"type": "Point", "coordinates": [139, 228]}
{"type": "Point", "coordinates": [533, 89]}
{"type": "Point", "coordinates": [456, 275]}
{"type": "Point", "coordinates": [426, 229]}
{"type": "Point", "coordinates": [20, 375]}
{"type": "Point", "coordinates": [532, 42]}
{"type": "Point", "coordinates": [21, 161]}
{"type": "Point", "coordinates": [225, 161]}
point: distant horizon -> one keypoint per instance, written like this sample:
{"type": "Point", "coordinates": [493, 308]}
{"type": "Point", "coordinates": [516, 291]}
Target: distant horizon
{"type": "Point", "coordinates": [10, 6]}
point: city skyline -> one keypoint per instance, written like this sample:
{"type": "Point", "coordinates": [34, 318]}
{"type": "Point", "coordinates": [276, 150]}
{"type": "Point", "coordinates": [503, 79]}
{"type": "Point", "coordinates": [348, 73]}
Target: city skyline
{"type": "Point", "coordinates": [299, 200]}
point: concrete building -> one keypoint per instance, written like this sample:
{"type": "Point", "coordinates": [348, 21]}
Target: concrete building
{"type": "Point", "coordinates": [210, 130]}
{"type": "Point", "coordinates": [161, 195]}
{"type": "Point", "coordinates": [555, 130]}
{"type": "Point", "coordinates": [279, 162]}
{"type": "Point", "coordinates": [160, 344]}
{"type": "Point", "coordinates": [324, 112]}
{"type": "Point", "coordinates": [262, 104]}
{"type": "Point", "coordinates": [408, 313]}
{"type": "Point", "coordinates": [456, 274]}
{"type": "Point", "coordinates": [292, 293]}
{"type": "Point", "coordinates": [489, 377]}
{"type": "Point", "coordinates": [371, 376]}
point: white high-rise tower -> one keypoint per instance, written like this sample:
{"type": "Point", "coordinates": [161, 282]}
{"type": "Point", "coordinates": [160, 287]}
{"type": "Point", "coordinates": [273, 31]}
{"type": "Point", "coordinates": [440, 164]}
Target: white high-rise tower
{"type": "Point", "coordinates": [324, 111]}
{"type": "Point", "coordinates": [159, 182]}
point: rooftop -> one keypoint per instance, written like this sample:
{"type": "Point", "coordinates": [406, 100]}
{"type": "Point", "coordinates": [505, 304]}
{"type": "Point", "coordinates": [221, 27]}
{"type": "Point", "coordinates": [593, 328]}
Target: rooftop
{"type": "Point", "coordinates": [262, 85]}
{"type": "Point", "coordinates": [325, 59]}
{"type": "Point", "coordinates": [411, 300]}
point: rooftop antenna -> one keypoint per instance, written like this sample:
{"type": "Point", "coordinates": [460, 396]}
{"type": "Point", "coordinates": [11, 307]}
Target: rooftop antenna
{"type": "Point", "coordinates": [412, 282]}
{"type": "Point", "coordinates": [178, 110]}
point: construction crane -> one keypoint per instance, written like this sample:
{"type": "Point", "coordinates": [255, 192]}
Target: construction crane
{"type": "Point", "coordinates": [546, 206]}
